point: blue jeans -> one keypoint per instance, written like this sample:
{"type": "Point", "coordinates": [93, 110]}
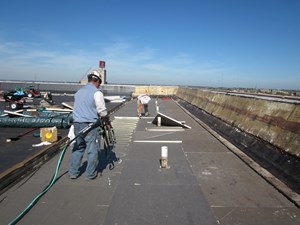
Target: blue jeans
{"type": "Point", "coordinates": [89, 142]}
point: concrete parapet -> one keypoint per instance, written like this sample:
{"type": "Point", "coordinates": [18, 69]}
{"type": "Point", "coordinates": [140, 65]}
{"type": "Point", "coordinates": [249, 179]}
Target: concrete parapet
{"type": "Point", "coordinates": [277, 123]}
{"type": "Point", "coordinates": [155, 90]}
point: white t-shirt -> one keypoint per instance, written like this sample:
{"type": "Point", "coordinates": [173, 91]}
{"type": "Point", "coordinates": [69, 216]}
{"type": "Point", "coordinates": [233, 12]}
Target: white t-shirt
{"type": "Point", "coordinates": [145, 99]}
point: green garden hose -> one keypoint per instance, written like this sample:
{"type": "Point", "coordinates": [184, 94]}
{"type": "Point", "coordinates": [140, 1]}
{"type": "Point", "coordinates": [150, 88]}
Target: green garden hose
{"type": "Point", "coordinates": [54, 178]}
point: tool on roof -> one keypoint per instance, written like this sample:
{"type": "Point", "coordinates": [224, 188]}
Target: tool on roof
{"type": "Point", "coordinates": [20, 135]}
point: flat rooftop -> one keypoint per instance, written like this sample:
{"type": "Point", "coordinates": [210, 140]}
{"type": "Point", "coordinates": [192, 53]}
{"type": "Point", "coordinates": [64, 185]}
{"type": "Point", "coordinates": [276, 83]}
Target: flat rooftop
{"type": "Point", "coordinates": [206, 182]}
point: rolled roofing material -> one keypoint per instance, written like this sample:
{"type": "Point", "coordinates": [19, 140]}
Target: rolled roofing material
{"type": "Point", "coordinates": [50, 114]}
{"type": "Point", "coordinates": [34, 122]}
{"type": "Point", "coordinates": [43, 119]}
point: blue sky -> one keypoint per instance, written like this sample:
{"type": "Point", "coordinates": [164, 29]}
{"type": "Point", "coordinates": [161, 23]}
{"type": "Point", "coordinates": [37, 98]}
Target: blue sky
{"type": "Point", "coordinates": [228, 43]}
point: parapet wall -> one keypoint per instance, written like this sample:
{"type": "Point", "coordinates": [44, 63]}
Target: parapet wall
{"type": "Point", "coordinates": [155, 90]}
{"type": "Point", "coordinates": [275, 122]}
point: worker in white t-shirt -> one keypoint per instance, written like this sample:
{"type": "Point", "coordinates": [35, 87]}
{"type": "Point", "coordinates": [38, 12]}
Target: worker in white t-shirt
{"type": "Point", "coordinates": [142, 102]}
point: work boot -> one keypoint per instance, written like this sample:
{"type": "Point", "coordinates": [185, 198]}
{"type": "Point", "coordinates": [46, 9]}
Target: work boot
{"type": "Point", "coordinates": [91, 178]}
{"type": "Point", "coordinates": [73, 177]}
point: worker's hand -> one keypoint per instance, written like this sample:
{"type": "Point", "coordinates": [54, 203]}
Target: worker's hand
{"type": "Point", "coordinates": [105, 119]}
